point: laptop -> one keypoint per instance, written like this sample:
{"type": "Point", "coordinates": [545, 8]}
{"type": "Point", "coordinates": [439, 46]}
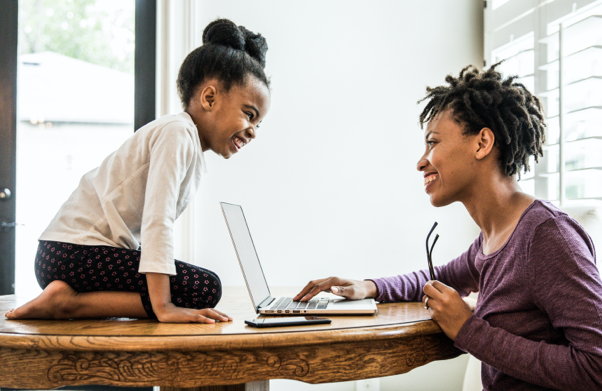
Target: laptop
{"type": "Point", "coordinates": [257, 285]}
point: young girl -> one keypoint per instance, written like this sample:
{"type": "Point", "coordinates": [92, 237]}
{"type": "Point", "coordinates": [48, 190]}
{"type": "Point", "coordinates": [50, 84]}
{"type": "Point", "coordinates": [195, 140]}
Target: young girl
{"type": "Point", "coordinates": [538, 318]}
{"type": "Point", "coordinates": [109, 250]}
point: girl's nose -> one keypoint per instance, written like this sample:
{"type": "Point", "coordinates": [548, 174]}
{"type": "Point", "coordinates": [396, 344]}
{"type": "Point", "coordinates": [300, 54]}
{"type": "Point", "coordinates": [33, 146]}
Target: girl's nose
{"type": "Point", "coordinates": [251, 132]}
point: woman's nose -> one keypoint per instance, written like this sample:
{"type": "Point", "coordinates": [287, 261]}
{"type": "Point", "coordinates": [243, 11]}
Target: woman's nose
{"type": "Point", "coordinates": [422, 164]}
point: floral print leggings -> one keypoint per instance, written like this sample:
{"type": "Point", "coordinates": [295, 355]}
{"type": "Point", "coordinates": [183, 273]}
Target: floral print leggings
{"type": "Point", "coordinates": [105, 268]}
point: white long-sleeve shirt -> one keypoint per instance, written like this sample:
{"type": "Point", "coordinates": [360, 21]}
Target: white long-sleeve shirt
{"type": "Point", "coordinates": [136, 194]}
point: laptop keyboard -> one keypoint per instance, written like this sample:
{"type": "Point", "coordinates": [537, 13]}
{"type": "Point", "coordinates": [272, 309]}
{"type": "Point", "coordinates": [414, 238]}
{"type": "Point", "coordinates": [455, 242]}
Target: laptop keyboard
{"type": "Point", "coordinates": [287, 303]}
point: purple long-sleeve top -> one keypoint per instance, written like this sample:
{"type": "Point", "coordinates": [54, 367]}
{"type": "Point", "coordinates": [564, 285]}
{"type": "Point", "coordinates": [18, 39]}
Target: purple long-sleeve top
{"type": "Point", "coordinates": [538, 319]}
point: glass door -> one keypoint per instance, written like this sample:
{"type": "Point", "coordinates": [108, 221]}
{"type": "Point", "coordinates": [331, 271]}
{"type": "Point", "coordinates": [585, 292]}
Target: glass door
{"type": "Point", "coordinates": [75, 105]}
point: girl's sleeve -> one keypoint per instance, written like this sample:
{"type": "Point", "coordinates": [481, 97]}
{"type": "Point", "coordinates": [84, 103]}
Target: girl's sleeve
{"type": "Point", "coordinates": [565, 284]}
{"type": "Point", "coordinates": [460, 274]}
{"type": "Point", "coordinates": [172, 153]}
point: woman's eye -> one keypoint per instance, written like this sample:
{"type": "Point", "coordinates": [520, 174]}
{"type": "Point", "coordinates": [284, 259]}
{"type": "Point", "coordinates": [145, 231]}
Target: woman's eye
{"type": "Point", "coordinates": [250, 115]}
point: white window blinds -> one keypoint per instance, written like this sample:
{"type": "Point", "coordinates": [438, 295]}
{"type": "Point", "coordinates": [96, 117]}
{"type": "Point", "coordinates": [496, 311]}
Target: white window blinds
{"type": "Point", "coordinates": [555, 49]}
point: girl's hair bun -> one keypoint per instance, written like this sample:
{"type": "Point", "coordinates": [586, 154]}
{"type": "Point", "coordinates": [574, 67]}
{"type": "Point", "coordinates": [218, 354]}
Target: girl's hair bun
{"type": "Point", "coordinates": [224, 32]}
{"type": "Point", "coordinates": [255, 45]}
{"type": "Point", "coordinates": [229, 53]}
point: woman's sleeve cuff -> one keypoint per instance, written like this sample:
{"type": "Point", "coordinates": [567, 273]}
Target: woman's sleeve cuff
{"type": "Point", "coordinates": [467, 334]}
{"type": "Point", "coordinates": [381, 290]}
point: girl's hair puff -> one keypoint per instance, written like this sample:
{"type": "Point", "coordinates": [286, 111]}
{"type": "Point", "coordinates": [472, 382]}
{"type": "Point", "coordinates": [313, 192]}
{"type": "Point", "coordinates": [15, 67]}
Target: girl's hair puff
{"type": "Point", "coordinates": [229, 53]}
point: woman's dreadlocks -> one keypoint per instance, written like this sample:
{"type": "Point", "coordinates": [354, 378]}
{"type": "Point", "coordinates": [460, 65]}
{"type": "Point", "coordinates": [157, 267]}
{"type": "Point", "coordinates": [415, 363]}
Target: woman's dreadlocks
{"type": "Point", "coordinates": [482, 99]}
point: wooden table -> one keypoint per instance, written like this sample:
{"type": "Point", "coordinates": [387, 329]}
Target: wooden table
{"type": "Point", "coordinates": [44, 354]}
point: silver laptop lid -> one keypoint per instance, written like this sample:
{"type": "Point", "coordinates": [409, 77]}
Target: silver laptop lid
{"type": "Point", "coordinates": [246, 253]}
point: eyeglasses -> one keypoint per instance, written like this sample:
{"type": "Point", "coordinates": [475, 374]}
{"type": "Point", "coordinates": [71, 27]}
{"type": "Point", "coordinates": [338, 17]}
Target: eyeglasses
{"type": "Point", "coordinates": [429, 252]}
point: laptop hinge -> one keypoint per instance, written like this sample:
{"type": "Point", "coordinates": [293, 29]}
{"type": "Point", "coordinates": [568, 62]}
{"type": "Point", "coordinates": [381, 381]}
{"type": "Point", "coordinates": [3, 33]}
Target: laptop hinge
{"type": "Point", "coordinates": [266, 302]}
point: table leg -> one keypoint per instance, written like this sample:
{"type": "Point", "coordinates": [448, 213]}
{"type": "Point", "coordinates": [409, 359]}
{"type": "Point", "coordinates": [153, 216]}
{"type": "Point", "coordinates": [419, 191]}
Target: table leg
{"type": "Point", "coordinates": [262, 385]}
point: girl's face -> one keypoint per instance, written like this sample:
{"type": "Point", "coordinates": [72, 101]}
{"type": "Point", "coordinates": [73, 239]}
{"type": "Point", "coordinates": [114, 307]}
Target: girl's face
{"type": "Point", "coordinates": [233, 117]}
{"type": "Point", "coordinates": [449, 162]}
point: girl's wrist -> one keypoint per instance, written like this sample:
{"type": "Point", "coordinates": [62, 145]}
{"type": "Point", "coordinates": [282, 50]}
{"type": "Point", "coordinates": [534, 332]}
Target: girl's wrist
{"type": "Point", "coordinates": [162, 308]}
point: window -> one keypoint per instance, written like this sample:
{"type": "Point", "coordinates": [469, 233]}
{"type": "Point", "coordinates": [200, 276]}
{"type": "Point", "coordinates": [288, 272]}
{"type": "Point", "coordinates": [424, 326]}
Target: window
{"type": "Point", "coordinates": [555, 49]}
{"type": "Point", "coordinates": [84, 84]}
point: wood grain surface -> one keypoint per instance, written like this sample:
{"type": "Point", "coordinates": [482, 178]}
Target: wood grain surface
{"type": "Point", "coordinates": [136, 352]}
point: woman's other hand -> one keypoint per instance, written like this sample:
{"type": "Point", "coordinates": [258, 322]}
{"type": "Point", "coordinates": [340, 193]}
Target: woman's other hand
{"type": "Point", "coordinates": [350, 289]}
{"type": "Point", "coordinates": [447, 307]}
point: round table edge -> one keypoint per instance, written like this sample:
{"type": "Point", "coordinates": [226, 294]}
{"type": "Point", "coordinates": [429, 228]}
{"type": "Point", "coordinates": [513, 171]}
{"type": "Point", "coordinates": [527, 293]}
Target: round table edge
{"type": "Point", "coordinates": [209, 342]}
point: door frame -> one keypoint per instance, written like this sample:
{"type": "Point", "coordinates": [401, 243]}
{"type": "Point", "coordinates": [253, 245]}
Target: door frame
{"type": "Point", "coordinates": [8, 146]}
{"type": "Point", "coordinates": [145, 63]}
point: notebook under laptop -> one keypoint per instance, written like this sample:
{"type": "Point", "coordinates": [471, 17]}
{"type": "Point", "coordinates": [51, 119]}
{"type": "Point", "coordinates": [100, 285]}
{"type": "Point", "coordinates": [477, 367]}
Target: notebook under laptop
{"type": "Point", "coordinates": [257, 285]}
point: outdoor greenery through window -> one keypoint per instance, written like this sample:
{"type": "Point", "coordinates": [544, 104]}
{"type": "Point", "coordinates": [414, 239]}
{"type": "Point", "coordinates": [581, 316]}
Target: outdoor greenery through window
{"type": "Point", "coordinates": [75, 105]}
{"type": "Point", "coordinates": [97, 32]}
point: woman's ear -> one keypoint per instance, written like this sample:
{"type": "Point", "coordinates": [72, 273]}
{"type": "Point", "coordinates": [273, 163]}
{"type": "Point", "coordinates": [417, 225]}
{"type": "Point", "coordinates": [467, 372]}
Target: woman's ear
{"type": "Point", "coordinates": [207, 97]}
{"type": "Point", "coordinates": [485, 140]}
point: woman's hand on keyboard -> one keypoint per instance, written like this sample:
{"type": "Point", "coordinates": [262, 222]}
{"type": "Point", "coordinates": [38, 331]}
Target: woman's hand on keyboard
{"type": "Point", "coordinates": [350, 289]}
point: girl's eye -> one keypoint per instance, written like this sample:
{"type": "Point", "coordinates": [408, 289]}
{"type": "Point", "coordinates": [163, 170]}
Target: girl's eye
{"type": "Point", "coordinates": [250, 115]}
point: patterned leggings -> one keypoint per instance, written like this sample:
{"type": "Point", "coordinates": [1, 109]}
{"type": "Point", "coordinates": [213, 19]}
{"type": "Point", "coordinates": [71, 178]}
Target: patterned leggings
{"type": "Point", "coordinates": [104, 268]}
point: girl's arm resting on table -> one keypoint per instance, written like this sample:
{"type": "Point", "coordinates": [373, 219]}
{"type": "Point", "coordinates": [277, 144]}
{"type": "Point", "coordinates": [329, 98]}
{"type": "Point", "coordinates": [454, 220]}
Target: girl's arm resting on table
{"type": "Point", "coordinates": [172, 152]}
{"type": "Point", "coordinates": [160, 296]}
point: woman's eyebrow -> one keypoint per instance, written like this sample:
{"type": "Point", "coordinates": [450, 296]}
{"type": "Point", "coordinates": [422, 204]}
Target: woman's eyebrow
{"type": "Point", "coordinates": [429, 133]}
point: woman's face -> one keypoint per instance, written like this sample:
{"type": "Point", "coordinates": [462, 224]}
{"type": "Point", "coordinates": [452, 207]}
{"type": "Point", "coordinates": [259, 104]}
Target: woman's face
{"type": "Point", "coordinates": [449, 163]}
{"type": "Point", "coordinates": [234, 117]}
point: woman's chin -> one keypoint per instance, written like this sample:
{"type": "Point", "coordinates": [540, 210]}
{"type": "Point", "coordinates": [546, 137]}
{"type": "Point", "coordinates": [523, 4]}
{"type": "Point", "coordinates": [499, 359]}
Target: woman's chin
{"type": "Point", "coordinates": [438, 202]}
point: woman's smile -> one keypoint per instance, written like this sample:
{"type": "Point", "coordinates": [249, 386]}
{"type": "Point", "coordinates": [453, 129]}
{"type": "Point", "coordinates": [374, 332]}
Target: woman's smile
{"type": "Point", "coordinates": [429, 178]}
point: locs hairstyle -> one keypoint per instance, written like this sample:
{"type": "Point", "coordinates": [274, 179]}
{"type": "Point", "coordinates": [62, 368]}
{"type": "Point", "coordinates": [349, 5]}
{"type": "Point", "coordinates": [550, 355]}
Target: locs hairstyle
{"type": "Point", "coordinates": [482, 99]}
{"type": "Point", "coordinates": [229, 53]}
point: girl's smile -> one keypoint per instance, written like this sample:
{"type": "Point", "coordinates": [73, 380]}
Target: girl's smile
{"type": "Point", "coordinates": [239, 142]}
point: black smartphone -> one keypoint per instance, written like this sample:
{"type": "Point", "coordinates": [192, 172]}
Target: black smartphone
{"type": "Point", "coordinates": [288, 321]}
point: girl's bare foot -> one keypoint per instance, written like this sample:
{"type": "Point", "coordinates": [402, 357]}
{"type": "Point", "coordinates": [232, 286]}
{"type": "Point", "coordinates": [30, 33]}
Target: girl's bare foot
{"type": "Point", "coordinates": [56, 302]}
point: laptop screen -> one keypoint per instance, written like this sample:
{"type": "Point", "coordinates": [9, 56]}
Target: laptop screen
{"type": "Point", "coordinates": [245, 250]}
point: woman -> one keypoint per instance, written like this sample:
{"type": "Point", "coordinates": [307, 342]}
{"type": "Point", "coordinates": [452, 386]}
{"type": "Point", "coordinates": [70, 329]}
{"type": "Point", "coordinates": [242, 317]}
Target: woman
{"type": "Point", "coordinates": [538, 319]}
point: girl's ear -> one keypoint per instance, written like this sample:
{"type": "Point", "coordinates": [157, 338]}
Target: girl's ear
{"type": "Point", "coordinates": [485, 140]}
{"type": "Point", "coordinates": [208, 97]}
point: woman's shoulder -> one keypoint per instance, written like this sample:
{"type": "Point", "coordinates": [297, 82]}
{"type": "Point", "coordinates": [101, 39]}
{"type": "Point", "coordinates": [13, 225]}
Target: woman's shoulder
{"type": "Point", "coordinates": [540, 212]}
{"type": "Point", "coordinates": [549, 226]}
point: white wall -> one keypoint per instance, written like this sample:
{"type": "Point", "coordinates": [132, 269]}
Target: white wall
{"type": "Point", "coordinates": [330, 183]}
